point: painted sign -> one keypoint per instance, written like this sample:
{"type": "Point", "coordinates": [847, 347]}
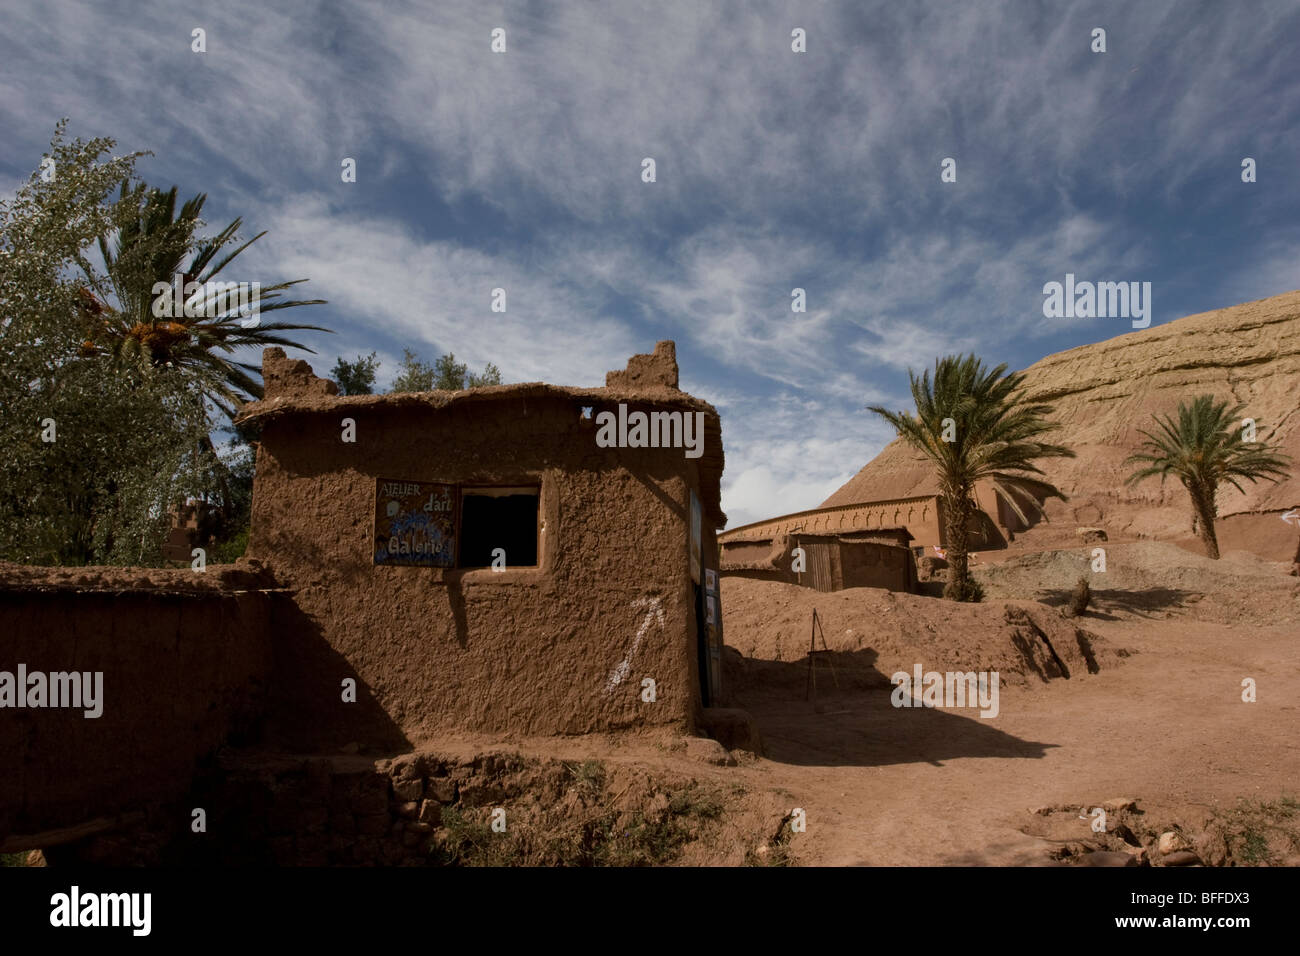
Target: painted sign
{"type": "Point", "coordinates": [695, 537]}
{"type": "Point", "coordinates": [415, 523]}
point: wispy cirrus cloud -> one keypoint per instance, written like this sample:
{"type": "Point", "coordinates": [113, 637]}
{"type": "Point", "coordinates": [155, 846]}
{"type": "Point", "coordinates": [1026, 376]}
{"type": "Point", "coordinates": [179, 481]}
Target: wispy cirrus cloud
{"type": "Point", "coordinates": [775, 170]}
{"type": "Point", "coordinates": [437, 295]}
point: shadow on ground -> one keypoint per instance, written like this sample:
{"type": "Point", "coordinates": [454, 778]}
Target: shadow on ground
{"type": "Point", "coordinates": [851, 721]}
{"type": "Point", "coordinates": [1104, 603]}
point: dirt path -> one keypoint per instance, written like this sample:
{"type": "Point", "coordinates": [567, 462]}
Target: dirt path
{"type": "Point", "coordinates": [912, 786]}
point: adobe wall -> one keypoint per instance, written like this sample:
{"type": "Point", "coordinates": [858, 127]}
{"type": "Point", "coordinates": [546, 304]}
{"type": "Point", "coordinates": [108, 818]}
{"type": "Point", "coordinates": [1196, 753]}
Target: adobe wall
{"type": "Point", "coordinates": [996, 509]}
{"type": "Point", "coordinates": [185, 658]}
{"type": "Point", "coordinates": [854, 564]}
{"type": "Point", "coordinates": [742, 555]}
{"type": "Point", "coordinates": [871, 565]}
{"type": "Point", "coordinates": [524, 650]}
{"type": "Point", "coordinates": [992, 527]}
{"type": "Point", "coordinates": [920, 515]}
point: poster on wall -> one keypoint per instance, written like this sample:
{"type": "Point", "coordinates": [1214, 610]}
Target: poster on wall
{"type": "Point", "coordinates": [695, 537]}
{"type": "Point", "coordinates": [415, 523]}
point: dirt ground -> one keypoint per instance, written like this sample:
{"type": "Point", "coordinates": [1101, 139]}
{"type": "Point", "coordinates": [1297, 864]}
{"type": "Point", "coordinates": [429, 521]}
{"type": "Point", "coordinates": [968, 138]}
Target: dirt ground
{"type": "Point", "coordinates": [886, 786]}
{"type": "Point", "coordinates": [1151, 711]}
{"type": "Point", "coordinates": [1164, 724]}
{"type": "Point", "coordinates": [1137, 701]}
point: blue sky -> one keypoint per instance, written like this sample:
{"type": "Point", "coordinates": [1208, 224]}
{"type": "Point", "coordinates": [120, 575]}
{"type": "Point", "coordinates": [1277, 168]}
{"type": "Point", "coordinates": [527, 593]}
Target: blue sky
{"type": "Point", "coordinates": [775, 170]}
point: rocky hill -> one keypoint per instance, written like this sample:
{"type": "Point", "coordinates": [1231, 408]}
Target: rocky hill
{"type": "Point", "coordinates": [1103, 393]}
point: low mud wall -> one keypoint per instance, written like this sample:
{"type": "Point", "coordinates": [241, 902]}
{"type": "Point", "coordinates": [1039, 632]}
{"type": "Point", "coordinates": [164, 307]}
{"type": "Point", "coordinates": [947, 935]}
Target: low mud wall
{"type": "Point", "coordinates": [114, 683]}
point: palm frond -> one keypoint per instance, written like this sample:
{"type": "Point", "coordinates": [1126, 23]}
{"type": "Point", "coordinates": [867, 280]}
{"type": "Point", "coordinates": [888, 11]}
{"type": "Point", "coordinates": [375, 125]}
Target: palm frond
{"type": "Point", "coordinates": [153, 241]}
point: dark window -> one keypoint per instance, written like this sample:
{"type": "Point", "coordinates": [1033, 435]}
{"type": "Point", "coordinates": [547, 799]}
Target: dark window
{"type": "Point", "coordinates": [493, 518]}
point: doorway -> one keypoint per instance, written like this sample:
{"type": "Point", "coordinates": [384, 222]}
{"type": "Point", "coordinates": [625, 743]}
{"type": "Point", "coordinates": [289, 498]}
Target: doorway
{"type": "Point", "coordinates": [702, 646]}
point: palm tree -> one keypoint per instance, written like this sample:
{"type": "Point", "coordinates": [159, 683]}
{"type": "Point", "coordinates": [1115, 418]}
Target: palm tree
{"type": "Point", "coordinates": [151, 245]}
{"type": "Point", "coordinates": [1202, 448]}
{"type": "Point", "coordinates": [974, 424]}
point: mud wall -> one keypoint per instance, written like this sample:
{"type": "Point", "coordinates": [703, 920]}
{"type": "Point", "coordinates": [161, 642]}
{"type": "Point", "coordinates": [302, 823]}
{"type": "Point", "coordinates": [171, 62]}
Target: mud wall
{"type": "Point", "coordinates": [919, 515]}
{"type": "Point", "coordinates": [748, 552]}
{"type": "Point", "coordinates": [528, 650]}
{"type": "Point", "coordinates": [1267, 535]}
{"type": "Point", "coordinates": [184, 657]}
{"type": "Point", "coordinates": [869, 565]}
{"type": "Point", "coordinates": [847, 564]}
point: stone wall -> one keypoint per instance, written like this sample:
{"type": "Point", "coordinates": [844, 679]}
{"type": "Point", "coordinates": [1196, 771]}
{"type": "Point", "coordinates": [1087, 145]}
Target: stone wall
{"type": "Point", "coordinates": [336, 811]}
{"type": "Point", "coordinates": [422, 808]}
{"type": "Point", "coordinates": [303, 811]}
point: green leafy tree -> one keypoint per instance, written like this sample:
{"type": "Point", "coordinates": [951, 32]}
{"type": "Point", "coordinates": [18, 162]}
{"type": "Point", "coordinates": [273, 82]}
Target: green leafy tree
{"type": "Point", "coordinates": [96, 447]}
{"type": "Point", "coordinates": [414, 375]}
{"type": "Point", "coordinates": [449, 374]}
{"type": "Point", "coordinates": [491, 376]}
{"type": "Point", "coordinates": [225, 531]}
{"type": "Point", "coordinates": [356, 378]}
{"type": "Point", "coordinates": [974, 424]}
{"type": "Point", "coordinates": [446, 374]}
{"type": "Point", "coordinates": [1203, 447]}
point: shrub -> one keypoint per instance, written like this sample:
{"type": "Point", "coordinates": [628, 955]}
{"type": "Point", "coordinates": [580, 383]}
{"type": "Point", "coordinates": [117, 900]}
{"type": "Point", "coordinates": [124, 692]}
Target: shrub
{"type": "Point", "coordinates": [967, 589]}
{"type": "Point", "coordinates": [1079, 599]}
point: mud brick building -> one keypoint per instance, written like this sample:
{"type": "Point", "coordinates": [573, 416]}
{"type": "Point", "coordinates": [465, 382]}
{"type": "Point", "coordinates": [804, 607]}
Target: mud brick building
{"type": "Point", "coordinates": [916, 522]}
{"type": "Point", "coordinates": [420, 566]}
{"type": "Point", "coordinates": [477, 561]}
{"type": "Point", "coordinates": [183, 537]}
{"type": "Point", "coordinates": [879, 558]}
